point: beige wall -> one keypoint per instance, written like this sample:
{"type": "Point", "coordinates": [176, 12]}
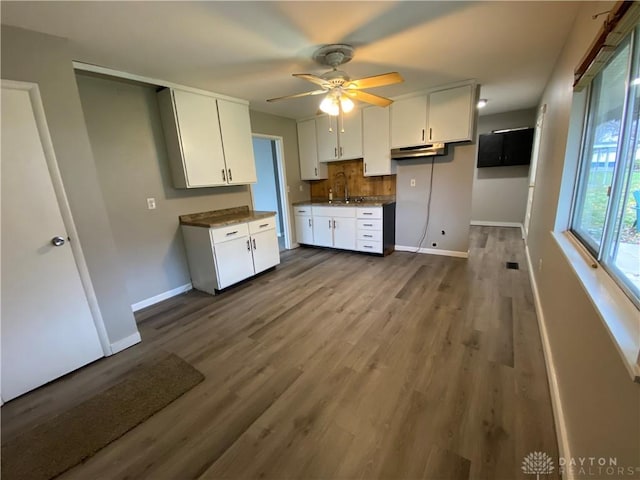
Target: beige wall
{"type": "Point", "coordinates": [600, 402]}
{"type": "Point", "coordinates": [450, 202]}
{"type": "Point", "coordinates": [500, 193]}
{"type": "Point", "coordinates": [43, 59]}
{"type": "Point", "coordinates": [131, 158]}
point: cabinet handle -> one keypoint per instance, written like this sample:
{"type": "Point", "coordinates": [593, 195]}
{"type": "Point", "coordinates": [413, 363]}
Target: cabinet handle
{"type": "Point", "coordinates": [367, 224]}
{"type": "Point", "coordinates": [368, 236]}
{"type": "Point", "coordinates": [423, 134]}
{"type": "Point", "coordinates": [329, 224]}
{"type": "Point", "coordinates": [316, 171]}
{"type": "Point", "coordinates": [230, 177]}
{"type": "Point", "coordinates": [302, 211]}
{"type": "Point", "coordinates": [232, 233]}
{"type": "Point", "coordinates": [335, 152]}
{"type": "Point", "coordinates": [264, 225]}
{"type": "Point", "coordinates": [334, 224]}
{"type": "Point", "coordinates": [367, 213]}
{"type": "Point", "coordinates": [254, 244]}
{"type": "Point", "coordinates": [248, 246]}
{"type": "Point", "coordinates": [341, 151]}
{"type": "Point", "coordinates": [224, 177]}
{"type": "Point", "coordinates": [430, 133]}
{"type": "Point", "coordinates": [367, 246]}
{"type": "Point", "coordinates": [309, 222]}
{"type": "Point", "coordinates": [365, 168]}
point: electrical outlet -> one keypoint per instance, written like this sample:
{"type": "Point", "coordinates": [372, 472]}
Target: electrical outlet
{"type": "Point", "coordinates": [413, 182]}
{"type": "Point", "coordinates": [540, 265]}
{"type": "Point", "coordinates": [151, 203]}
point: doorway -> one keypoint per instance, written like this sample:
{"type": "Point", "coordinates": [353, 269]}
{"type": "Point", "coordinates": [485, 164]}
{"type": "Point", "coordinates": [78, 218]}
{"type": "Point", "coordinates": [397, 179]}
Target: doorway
{"type": "Point", "coordinates": [270, 191]}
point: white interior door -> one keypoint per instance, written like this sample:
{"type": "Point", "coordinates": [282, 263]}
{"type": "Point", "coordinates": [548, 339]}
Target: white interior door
{"type": "Point", "coordinates": [47, 326]}
{"type": "Point", "coordinates": [534, 168]}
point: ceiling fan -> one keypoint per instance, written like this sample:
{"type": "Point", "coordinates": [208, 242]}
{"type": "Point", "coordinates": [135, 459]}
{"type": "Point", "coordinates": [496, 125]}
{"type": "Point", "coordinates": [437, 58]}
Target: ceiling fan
{"type": "Point", "coordinates": [340, 90]}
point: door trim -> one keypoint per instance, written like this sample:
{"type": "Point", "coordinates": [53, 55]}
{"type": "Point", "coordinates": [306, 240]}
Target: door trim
{"type": "Point", "coordinates": [63, 202]}
{"type": "Point", "coordinates": [284, 193]}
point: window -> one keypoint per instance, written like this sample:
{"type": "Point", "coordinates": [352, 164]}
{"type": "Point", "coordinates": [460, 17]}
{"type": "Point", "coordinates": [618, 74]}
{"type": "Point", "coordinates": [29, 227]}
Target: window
{"type": "Point", "coordinates": [606, 205]}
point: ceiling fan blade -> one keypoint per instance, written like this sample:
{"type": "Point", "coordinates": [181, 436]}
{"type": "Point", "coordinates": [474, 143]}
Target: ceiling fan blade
{"type": "Point", "coordinates": [376, 81]}
{"type": "Point", "coordinates": [313, 79]}
{"type": "Point", "coordinates": [368, 98]}
{"type": "Point", "coordinates": [304, 94]}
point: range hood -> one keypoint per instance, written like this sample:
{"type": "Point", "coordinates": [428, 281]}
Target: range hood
{"type": "Point", "coordinates": [419, 151]}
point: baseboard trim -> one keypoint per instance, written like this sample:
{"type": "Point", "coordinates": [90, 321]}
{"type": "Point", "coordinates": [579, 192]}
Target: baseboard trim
{"type": "Point", "coordinates": [125, 343]}
{"type": "Point", "coordinates": [483, 223]}
{"type": "Point", "coordinates": [160, 297]}
{"type": "Point", "coordinates": [556, 402]}
{"type": "Point", "coordinates": [432, 251]}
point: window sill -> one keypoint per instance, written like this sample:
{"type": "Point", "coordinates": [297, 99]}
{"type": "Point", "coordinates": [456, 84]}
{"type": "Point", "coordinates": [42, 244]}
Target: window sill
{"type": "Point", "coordinates": [617, 311]}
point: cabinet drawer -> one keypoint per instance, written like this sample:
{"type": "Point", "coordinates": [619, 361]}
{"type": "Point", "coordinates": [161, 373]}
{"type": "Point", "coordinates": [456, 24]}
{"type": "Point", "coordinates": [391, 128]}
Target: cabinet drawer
{"type": "Point", "coordinates": [261, 225]}
{"type": "Point", "coordinates": [369, 224]}
{"type": "Point", "coordinates": [371, 212]}
{"type": "Point", "coordinates": [348, 212]}
{"type": "Point", "coordinates": [224, 234]}
{"type": "Point", "coordinates": [302, 210]}
{"type": "Point", "coordinates": [368, 246]}
{"type": "Point", "coordinates": [370, 235]}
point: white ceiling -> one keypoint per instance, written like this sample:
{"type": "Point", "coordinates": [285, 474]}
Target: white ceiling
{"type": "Point", "coordinates": [250, 49]}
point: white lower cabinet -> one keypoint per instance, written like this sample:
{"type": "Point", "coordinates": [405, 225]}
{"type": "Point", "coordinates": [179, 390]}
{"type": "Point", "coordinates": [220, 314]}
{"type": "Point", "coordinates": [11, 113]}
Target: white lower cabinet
{"type": "Point", "coordinates": [304, 224]}
{"type": "Point", "coordinates": [221, 257]}
{"type": "Point", "coordinates": [370, 237]}
{"type": "Point", "coordinates": [334, 227]}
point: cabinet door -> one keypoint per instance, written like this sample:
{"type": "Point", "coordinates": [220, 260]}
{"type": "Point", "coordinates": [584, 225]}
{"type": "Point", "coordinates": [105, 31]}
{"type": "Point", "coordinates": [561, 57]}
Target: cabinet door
{"type": "Point", "coordinates": [490, 150]}
{"type": "Point", "coordinates": [344, 233]}
{"type": "Point", "coordinates": [199, 137]}
{"type": "Point", "coordinates": [308, 152]}
{"type": "Point", "coordinates": [237, 143]}
{"type": "Point", "coordinates": [516, 147]}
{"type": "Point", "coordinates": [409, 122]}
{"type": "Point", "coordinates": [266, 253]}
{"type": "Point", "coordinates": [304, 229]}
{"type": "Point", "coordinates": [375, 132]}
{"type": "Point", "coordinates": [327, 140]}
{"type": "Point", "coordinates": [322, 231]}
{"type": "Point", "coordinates": [234, 261]}
{"type": "Point", "coordinates": [451, 114]}
{"type": "Point", "coordinates": [350, 141]}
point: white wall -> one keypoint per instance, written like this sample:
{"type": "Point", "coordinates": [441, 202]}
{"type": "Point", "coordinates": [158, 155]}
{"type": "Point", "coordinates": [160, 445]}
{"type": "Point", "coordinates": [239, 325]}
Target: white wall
{"type": "Point", "coordinates": [500, 193]}
{"type": "Point", "coordinates": [601, 404]}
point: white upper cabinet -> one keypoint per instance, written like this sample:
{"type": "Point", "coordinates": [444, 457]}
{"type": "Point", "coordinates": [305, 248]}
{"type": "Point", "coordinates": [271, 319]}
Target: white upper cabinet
{"type": "Point", "coordinates": [333, 143]}
{"type": "Point", "coordinates": [350, 141]}
{"type": "Point", "coordinates": [327, 136]}
{"type": "Point", "coordinates": [310, 169]}
{"type": "Point", "coordinates": [237, 144]}
{"type": "Point", "coordinates": [376, 150]}
{"type": "Point", "coordinates": [450, 114]}
{"type": "Point", "coordinates": [208, 139]}
{"type": "Point", "coordinates": [409, 122]}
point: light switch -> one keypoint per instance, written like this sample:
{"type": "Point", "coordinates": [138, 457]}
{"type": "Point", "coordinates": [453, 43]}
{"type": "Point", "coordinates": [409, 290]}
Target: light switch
{"type": "Point", "coordinates": [151, 203]}
{"type": "Point", "coordinates": [413, 182]}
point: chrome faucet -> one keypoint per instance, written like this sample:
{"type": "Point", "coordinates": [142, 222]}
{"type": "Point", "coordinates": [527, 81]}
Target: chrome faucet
{"type": "Point", "coordinates": [346, 188]}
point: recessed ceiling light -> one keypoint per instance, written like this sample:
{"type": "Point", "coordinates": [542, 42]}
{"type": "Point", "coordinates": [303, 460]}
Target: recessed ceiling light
{"type": "Point", "coordinates": [482, 103]}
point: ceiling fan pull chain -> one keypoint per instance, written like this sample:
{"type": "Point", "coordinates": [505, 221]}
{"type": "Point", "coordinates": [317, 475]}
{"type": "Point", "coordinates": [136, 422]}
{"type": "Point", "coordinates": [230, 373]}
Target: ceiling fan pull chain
{"type": "Point", "coordinates": [330, 122]}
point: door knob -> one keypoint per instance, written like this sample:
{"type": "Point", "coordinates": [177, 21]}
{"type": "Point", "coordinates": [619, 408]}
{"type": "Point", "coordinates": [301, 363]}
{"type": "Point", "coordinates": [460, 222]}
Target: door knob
{"type": "Point", "coordinates": [57, 241]}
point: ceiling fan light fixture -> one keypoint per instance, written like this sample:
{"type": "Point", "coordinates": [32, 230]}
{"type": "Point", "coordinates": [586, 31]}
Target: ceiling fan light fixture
{"type": "Point", "coordinates": [329, 105]}
{"type": "Point", "coordinates": [346, 104]}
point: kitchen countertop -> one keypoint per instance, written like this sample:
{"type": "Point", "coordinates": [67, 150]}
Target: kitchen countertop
{"type": "Point", "coordinates": [222, 218]}
{"type": "Point", "coordinates": [366, 202]}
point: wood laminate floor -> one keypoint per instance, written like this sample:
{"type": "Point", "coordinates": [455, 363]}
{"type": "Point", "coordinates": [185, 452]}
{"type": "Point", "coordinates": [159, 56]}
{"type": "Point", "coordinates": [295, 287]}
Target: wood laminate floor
{"type": "Point", "coordinates": [337, 365]}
